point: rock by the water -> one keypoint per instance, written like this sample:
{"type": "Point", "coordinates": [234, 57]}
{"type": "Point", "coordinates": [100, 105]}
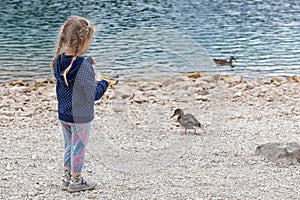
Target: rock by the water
{"type": "Point", "coordinates": [232, 80]}
{"type": "Point", "coordinates": [193, 75]}
{"type": "Point", "coordinates": [296, 78]}
{"type": "Point", "coordinates": [41, 81]}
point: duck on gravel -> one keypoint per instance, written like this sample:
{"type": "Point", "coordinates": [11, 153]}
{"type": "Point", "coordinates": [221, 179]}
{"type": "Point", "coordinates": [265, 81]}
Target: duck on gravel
{"type": "Point", "coordinates": [188, 121]}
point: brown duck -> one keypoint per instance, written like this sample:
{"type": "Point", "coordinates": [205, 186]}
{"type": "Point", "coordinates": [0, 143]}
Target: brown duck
{"type": "Point", "coordinates": [224, 61]}
{"type": "Point", "coordinates": [188, 121]}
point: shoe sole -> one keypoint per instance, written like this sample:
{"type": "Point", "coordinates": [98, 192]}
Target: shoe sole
{"type": "Point", "coordinates": [82, 189]}
{"type": "Point", "coordinates": [63, 187]}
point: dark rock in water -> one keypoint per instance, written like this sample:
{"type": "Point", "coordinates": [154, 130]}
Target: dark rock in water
{"type": "Point", "coordinates": [282, 154]}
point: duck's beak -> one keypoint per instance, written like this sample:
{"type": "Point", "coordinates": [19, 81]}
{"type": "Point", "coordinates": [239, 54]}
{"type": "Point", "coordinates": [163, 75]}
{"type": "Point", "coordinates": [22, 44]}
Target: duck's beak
{"type": "Point", "coordinates": [172, 116]}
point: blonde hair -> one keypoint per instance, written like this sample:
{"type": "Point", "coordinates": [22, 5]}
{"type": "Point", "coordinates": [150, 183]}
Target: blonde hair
{"type": "Point", "coordinates": [73, 34]}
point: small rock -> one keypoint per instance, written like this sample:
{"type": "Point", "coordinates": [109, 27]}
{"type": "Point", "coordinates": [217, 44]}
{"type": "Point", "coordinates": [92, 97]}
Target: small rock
{"type": "Point", "coordinates": [148, 86]}
{"type": "Point", "coordinates": [266, 81]}
{"type": "Point", "coordinates": [208, 79]}
{"type": "Point", "coordinates": [216, 77]}
{"type": "Point", "coordinates": [40, 82]}
{"type": "Point", "coordinates": [199, 83]}
{"type": "Point", "coordinates": [9, 84]}
{"type": "Point", "coordinates": [277, 83]}
{"type": "Point", "coordinates": [32, 86]}
{"type": "Point", "coordinates": [288, 79]}
{"type": "Point", "coordinates": [264, 89]}
{"type": "Point", "coordinates": [167, 82]}
{"type": "Point", "coordinates": [256, 94]}
{"type": "Point", "coordinates": [193, 75]}
{"type": "Point", "coordinates": [202, 98]}
{"type": "Point", "coordinates": [140, 99]}
{"type": "Point", "coordinates": [296, 78]}
{"type": "Point", "coordinates": [9, 167]}
{"type": "Point", "coordinates": [256, 82]}
{"type": "Point", "coordinates": [202, 91]}
{"type": "Point", "coordinates": [170, 81]}
{"type": "Point", "coordinates": [19, 83]}
{"type": "Point", "coordinates": [52, 80]}
{"type": "Point", "coordinates": [180, 86]}
{"type": "Point", "coordinates": [25, 114]}
{"type": "Point", "coordinates": [280, 153]}
{"type": "Point", "coordinates": [8, 113]}
{"type": "Point", "coordinates": [4, 91]}
{"type": "Point", "coordinates": [232, 80]}
{"type": "Point", "coordinates": [249, 86]}
{"type": "Point", "coordinates": [119, 108]}
{"type": "Point", "coordinates": [276, 79]}
{"type": "Point", "coordinates": [123, 93]}
{"type": "Point", "coordinates": [238, 94]}
{"type": "Point", "coordinates": [20, 89]}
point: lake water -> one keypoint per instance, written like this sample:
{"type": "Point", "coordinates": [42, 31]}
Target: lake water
{"type": "Point", "coordinates": [146, 38]}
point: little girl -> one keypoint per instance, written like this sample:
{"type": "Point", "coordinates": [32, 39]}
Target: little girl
{"type": "Point", "coordinates": [76, 90]}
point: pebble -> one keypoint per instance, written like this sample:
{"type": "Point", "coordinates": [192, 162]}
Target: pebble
{"type": "Point", "coordinates": [20, 89]}
{"type": "Point", "coordinates": [202, 98]}
{"type": "Point", "coordinates": [250, 86]}
{"type": "Point", "coordinates": [296, 78]}
{"type": "Point", "coordinates": [232, 80]}
{"type": "Point", "coordinates": [9, 167]}
{"type": "Point", "coordinates": [264, 89]}
{"type": "Point", "coordinates": [208, 79]}
{"type": "Point", "coordinates": [238, 94]}
{"type": "Point", "coordinates": [193, 75]}
{"type": "Point", "coordinates": [202, 91]}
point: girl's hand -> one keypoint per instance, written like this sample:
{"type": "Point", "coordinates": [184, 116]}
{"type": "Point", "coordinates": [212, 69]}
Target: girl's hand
{"type": "Point", "coordinates": [94, 62]}
{"type": "Point", "coordinates": [105, 78]}
{"type": "Point", "coordinates": [100, 77]}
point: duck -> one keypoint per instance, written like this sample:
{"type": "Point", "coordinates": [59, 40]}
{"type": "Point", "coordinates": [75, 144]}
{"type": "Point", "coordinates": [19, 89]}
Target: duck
{"type": "Point", "coordinates": [188, 121]}
{"type": "Point", "coordinates": [224, 61]}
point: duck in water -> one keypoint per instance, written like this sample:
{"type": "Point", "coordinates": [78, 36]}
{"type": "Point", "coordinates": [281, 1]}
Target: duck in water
{"type": "Point", "coordinates": [224, 61]}
{"type": "Point", "coordinates": [188, 121]}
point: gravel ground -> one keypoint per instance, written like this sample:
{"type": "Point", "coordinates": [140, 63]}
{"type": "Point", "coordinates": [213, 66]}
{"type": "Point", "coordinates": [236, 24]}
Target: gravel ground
{"type": "Point", "coordinates": [137, 152]}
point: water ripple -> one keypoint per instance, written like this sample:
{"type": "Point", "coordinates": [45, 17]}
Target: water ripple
{"type": "Point", "coordinates": [263, 35]}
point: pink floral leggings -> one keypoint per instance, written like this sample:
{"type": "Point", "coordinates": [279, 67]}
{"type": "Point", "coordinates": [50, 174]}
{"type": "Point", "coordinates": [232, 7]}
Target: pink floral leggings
{"type": "Point", "coordinates": [76, 139]}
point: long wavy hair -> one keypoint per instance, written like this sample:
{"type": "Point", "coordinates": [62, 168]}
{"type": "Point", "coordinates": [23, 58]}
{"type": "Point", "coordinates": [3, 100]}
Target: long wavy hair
{"type": "Point", "coordinates": [73, 34]}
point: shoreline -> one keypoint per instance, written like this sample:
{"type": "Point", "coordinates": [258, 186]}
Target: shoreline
{"type": "Point", "coordinates": [132, 127]}
{"type": "Point", "coordinates": [195, 74]}
{"type": "Point", "coordinates": [123, 77]}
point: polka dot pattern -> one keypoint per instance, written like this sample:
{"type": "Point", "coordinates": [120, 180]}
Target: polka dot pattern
{"type": "Point", "coordinates": [76, 102]}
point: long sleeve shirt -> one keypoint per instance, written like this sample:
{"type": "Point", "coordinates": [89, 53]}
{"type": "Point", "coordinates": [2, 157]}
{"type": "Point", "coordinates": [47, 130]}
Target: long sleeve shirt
{"type": "Point", "coordinates": [76, 101]}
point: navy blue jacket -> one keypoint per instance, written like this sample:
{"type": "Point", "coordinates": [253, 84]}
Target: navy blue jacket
{"type": "Point", "coordinates": [76, 101]}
